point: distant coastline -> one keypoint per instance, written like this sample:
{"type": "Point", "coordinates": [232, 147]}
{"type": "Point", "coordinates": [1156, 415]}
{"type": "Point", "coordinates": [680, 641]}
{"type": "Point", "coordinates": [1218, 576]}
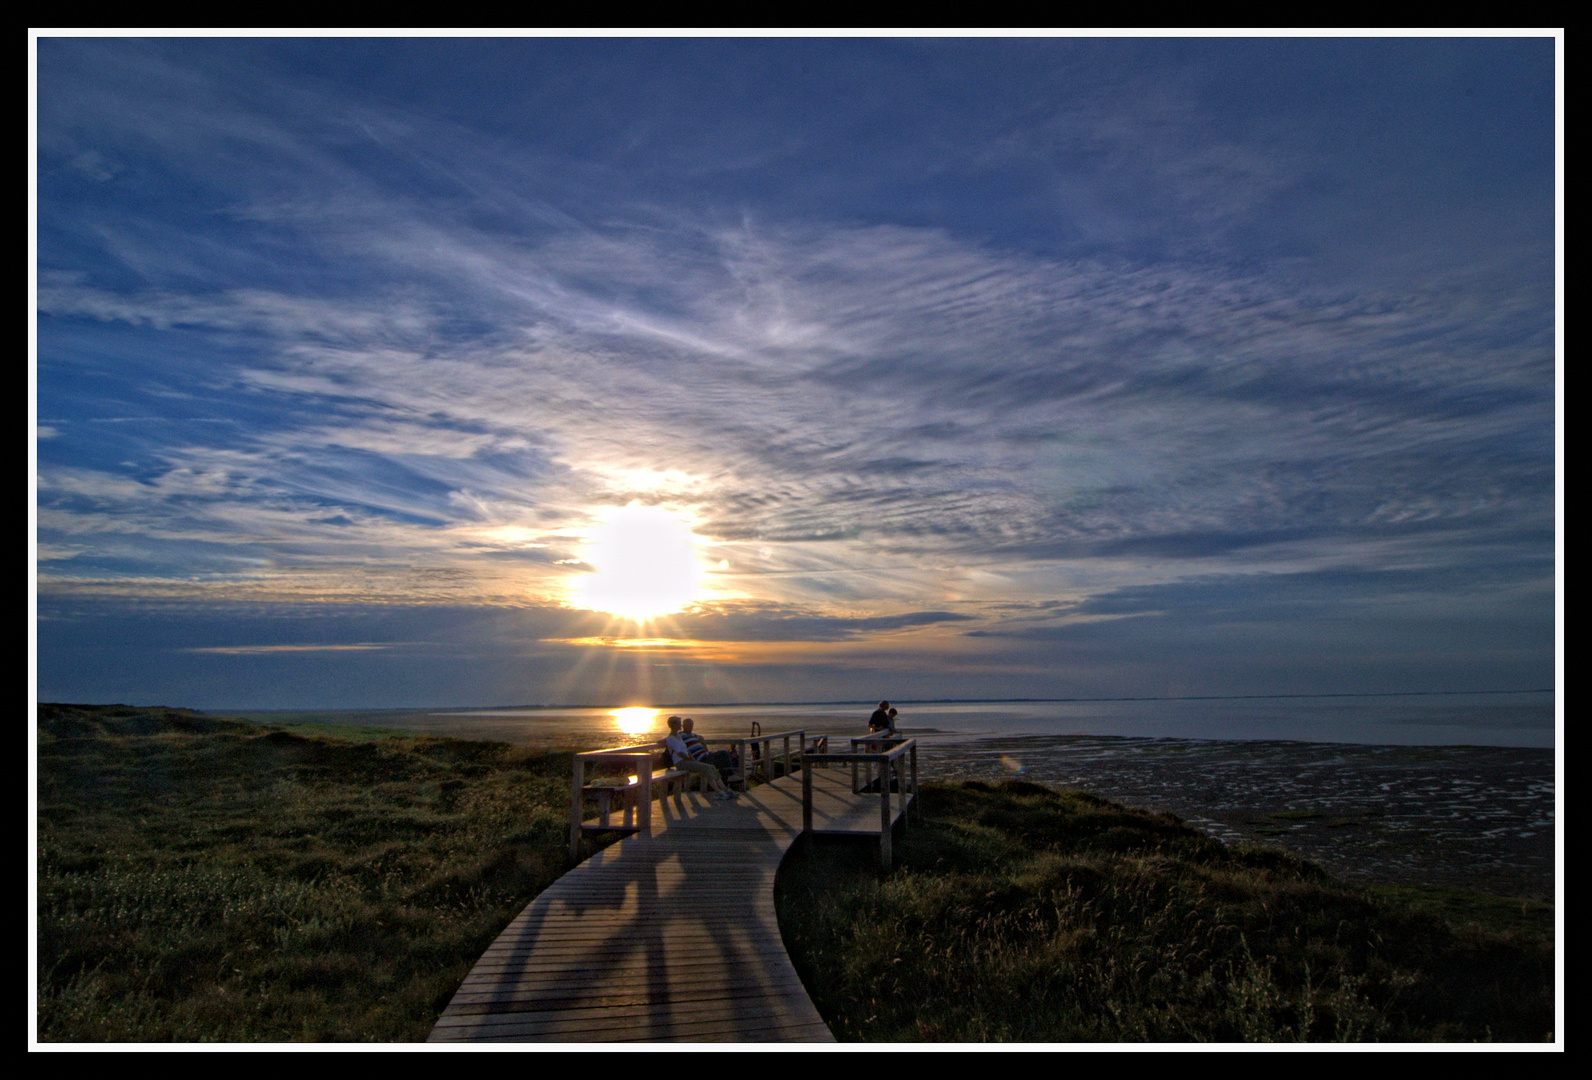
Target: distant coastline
{"type": "Point", "coordinates": [975, 701]}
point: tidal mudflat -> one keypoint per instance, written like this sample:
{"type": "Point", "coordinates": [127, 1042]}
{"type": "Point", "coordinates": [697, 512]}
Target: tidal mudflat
{"type": "Point", "coordinates": [1475, 817]}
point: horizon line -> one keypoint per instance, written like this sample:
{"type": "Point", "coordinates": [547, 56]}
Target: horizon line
{"type": "Point", "coordinates": [903, 701]}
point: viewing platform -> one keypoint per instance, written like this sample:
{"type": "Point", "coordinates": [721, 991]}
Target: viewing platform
{"type": "Point", "coordinates": [670, 934]}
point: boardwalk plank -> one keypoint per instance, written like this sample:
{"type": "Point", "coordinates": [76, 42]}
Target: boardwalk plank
{"type": "Point", "coordinates": [668, 937]}
{"type": "Point", "coordinates": [531, 995]}
{"type": "Point", "coordinates": [700, 1011]}
{"type": "Point", "coordinates": [662, 1021]}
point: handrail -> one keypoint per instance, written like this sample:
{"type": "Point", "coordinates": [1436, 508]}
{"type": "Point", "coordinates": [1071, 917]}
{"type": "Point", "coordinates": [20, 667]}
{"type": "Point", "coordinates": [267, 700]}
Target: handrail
{"type": "Point", "coordinates": [764, 762]}
{"type": "Point", "coordinates": [654, 746]}
{"type": "Point", "coordinates": [891, 761]}
{"type": "Point", "coordinates": [638, 758]}
{"type": "Point", "coordinates": [639, 763]}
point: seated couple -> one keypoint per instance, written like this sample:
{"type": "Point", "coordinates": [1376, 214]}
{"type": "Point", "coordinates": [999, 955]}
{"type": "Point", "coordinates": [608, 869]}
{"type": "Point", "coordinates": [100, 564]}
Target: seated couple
{"type": "Point", "coordinates": [689, 752]}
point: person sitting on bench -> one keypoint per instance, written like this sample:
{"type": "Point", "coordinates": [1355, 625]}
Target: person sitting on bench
{"type": "Point", "coordinates": [723, 760]}
{"type": "Point", "coordinates": [680, 755]}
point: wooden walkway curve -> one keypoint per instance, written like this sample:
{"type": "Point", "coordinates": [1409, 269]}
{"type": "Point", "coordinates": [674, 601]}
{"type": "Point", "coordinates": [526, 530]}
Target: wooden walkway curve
{"type": "Point", "coordinates": [671, 937]}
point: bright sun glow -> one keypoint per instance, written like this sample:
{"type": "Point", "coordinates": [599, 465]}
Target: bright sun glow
{"type": "Point", "coordinates": [644, 565]}
{"type": "Point", "coordinates": [635, 720]}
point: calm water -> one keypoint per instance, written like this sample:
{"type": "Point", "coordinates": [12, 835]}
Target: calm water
{"type": "Point", "coordinates": [1407, 720]}
{"type": "Point", "coordinates": [1444, 789]}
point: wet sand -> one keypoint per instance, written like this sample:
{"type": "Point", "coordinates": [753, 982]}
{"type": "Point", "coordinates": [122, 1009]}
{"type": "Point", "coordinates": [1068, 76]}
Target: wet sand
{"type": "Point", "coordinates": [1469, 816]}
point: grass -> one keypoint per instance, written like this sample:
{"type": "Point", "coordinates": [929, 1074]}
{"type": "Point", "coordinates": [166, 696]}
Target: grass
{"type": "Point", "coordinates": [205, 879]}
{"type": "Point", "coordinates": [1017, 913]}
{"type": "Point", "coordinates": [201, 879]}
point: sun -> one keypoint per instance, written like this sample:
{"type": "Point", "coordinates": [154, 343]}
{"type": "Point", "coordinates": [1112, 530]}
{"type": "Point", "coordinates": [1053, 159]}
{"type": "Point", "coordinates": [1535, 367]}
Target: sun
{"type": "Point", "coordinates": [644, 564]}
{"type": "Point", "coordinates": [635, 720]}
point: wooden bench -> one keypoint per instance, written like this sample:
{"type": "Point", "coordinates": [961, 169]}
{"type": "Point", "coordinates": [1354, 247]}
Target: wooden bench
{"type": "Point", "coordinates": [665, 783]}
{"type": "Point", "coordinates": [639, 762]}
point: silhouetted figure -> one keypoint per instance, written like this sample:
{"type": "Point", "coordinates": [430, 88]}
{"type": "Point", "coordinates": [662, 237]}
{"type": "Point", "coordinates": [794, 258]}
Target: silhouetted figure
{"type": "Point", "coordinates": [883, 719]}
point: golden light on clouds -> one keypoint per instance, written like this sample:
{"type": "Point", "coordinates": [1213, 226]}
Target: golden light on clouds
{"type": "Point", "coordinates": [898, 648]}
{"type": "Point", "coordinates": [644, 564]}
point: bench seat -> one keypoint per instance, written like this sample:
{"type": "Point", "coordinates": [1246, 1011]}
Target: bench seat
{"type": "Point", "coordinates": [665, 782]}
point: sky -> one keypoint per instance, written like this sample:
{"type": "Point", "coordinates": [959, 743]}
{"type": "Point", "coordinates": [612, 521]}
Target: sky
{"type": "Point", "coordinates": [940, 368]}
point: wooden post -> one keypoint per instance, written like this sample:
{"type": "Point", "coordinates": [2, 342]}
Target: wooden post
{"type": "Point", "coordinates": [644, 782]}
{"type": "Point", "coordinates": [576, 808]}
{"type": "Point", "coordinates": [898, 769]}
{"type": "Point", "coordinates": [915, 778]}
{"type": "Point", "coordinates": [884, 819]}
{"type": "Point", "coordinates": [807, 801]}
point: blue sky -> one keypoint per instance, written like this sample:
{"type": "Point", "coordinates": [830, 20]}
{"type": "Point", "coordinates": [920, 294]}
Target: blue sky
{"type": "Point", "coordinates": [976, 368]}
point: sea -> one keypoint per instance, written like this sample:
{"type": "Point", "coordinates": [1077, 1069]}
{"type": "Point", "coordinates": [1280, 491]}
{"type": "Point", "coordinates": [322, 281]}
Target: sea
{"type": "Point", "coordinates": [1448, 790]}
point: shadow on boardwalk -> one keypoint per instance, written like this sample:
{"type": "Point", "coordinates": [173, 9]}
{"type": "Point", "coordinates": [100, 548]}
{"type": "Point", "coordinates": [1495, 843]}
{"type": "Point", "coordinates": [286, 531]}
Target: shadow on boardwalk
{"type": "Point", "coordinates": [668, 937]}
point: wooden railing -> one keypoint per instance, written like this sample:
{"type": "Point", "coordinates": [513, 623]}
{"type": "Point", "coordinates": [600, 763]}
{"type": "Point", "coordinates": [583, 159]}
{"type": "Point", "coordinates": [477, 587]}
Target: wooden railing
{"type": "Point", "coordinates": [636, 795]}
{"type": "Point", "coordinates": [892, 760]}
{"type": "Point", "coordinates": [637, 761]}
{"type": "Point", "coordinates": [765, 763]}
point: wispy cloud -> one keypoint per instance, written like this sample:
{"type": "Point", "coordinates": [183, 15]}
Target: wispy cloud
{"type": "Point", "coordinates": [303, 342]}
{"type": "Point", "coordinates": [264, 650]}
{"type": "Point", "coordinates": [1124, 408]}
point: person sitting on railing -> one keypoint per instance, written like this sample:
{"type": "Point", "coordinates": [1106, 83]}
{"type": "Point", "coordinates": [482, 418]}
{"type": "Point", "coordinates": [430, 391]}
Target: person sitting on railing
{"type": "Point", "coordinates": [882, 720]}
{"type": "Point", "coordinates": [723, 760]}
{"type": "Point", "coordinates": [680, 754]}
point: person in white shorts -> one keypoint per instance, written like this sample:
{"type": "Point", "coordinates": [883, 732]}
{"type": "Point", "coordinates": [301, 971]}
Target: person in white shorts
{"type": "Point", "coordinates": [680, 755]}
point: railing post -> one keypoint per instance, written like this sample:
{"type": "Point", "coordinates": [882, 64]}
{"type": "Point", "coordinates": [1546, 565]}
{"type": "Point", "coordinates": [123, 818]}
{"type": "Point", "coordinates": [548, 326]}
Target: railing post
{"type": "Point", "coordinates": [807, 801]}
{"type": "Point", "coordinates": [884, 817]}
{"type": "Point", "coordinates": [898, 769]}
{"type": "Point", "coordinates": [915, 779]}
{"type": "Point", "coordinates": [577, 806]}
{"type": "Point", "coordinates": [644, 784]}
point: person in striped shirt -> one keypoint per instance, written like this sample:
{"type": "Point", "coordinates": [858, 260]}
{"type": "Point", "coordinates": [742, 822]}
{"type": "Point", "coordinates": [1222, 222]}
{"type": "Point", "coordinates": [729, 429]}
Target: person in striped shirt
{"type": "Point", "coordinates": [682, 758]}
{"type": "Point", "coordinates": [724, 760]}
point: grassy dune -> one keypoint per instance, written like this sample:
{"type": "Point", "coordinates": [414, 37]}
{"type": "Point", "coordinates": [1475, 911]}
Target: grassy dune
{"type": "Point", "coordinates": [1019, 913]}
{"type": "Point", "coordinates": [204, 879]}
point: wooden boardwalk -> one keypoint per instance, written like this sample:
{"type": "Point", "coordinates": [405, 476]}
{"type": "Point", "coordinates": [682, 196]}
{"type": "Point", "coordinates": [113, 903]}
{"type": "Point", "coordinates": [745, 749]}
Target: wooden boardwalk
{"type": "Point", "coordinates": [671, 937]}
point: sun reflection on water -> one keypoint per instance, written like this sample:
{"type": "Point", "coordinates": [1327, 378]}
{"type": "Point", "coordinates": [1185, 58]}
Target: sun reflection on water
{"type": "Point", "coordinates": [636, 720]}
